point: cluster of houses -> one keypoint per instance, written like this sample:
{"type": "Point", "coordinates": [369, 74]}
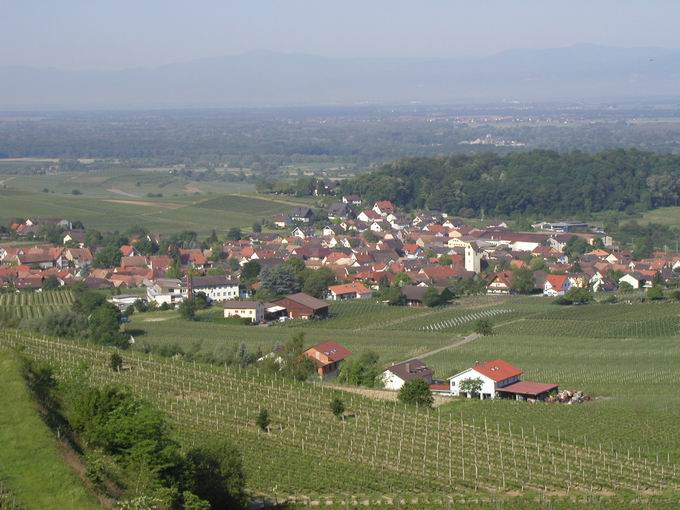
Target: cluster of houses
{"type": "Point", "coordinates": [366, 248]}
{"type": "Point", "coordinates": [487, 380]}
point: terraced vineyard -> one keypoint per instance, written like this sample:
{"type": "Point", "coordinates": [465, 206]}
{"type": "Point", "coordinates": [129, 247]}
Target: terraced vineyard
{"type": "Point", "coordinates": [382, 451]}
{"type": "Point", "coordinates": [31, 305]}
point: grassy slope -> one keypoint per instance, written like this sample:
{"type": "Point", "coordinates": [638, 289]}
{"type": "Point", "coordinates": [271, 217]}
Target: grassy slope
{"type": "Point", "coordinates": [30, 463]}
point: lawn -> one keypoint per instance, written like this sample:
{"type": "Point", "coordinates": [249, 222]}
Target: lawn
{"type": "Point", "coordinates": [31, 465]}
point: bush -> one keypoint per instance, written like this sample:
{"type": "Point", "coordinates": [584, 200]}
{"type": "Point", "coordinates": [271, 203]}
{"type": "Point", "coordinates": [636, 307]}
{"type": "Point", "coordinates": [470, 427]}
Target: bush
{"type": "Point", "coordinates": [337, 408]}
{"type": "Point", "coordinates": [483, 327]}
{"type": "Point", "coordinates": [116, 362]}
{"type": "Point", "coordinates": [416, 392]}
{"type": "Point", "coordinates": [655, 293]}
{"type": "Point", "coordinates": [262, 420]}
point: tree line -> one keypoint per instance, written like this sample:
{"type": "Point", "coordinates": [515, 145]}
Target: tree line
{"type": "Point", "coordinates": [533, 182]}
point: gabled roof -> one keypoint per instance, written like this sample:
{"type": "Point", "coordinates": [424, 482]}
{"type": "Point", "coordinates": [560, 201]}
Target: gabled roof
{"type": "Point", "coordinates": [497, 370]}
{"type": "Point", "coordinates": [556, 281]}
{"type": "Point", "coordinates": [306, 300]}
{"type": "Point", "coordinates": [333, 350]}
{"type": "Point", "coordinates": [409, 370]}
{"type": "Point", "coordinates": [349, 288]}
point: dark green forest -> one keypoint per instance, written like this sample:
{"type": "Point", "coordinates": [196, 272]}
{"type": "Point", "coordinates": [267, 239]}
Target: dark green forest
{"type": "Point", "coordinates": [534, 182]}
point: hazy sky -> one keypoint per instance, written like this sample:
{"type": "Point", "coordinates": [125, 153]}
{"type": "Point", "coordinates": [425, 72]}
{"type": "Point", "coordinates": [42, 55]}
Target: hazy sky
{"type": "Point", "coordinates": [113, 34]}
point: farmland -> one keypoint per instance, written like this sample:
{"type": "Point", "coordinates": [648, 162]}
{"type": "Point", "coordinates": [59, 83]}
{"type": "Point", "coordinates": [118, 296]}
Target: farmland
{"type": "Point", "coordinates": [384, 451]}
{"type": "Point", "coordinates": [153, 199]}
{"type": "Point", "coordinates": [33, 305]}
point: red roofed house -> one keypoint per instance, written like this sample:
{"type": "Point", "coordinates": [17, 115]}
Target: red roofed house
{"type": "Point", "coordinates": [383, 207]}
{"type": "Point", "coordinates": [354, 290]}
{"type": "Point", "coordinates": [556, 285]}
{"type": "Point", "coordinates": [493, 374]}
{"type": "Point", "coordinates": [327, 357]}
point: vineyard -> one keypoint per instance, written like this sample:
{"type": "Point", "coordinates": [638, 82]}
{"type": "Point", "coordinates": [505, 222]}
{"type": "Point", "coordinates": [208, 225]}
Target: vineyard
{"type": "Point", "coordinates": [33, 305]}
{"type": "Point", "coordinates": [382, 451]}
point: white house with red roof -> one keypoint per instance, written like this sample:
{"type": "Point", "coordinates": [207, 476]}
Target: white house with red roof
{"type": "Point", "coordinates": [383, 207]}
{"type": "Point", "coordinates": [493, 374]}
{"type": "Point", "coordinates": [556, 285]}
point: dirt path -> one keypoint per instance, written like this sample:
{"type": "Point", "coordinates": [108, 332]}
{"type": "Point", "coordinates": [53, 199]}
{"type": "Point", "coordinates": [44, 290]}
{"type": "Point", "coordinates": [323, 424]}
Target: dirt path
{"type": "Point", "coordinates": [117, 191]}
{"type": "Point", "coordinates": [162, 205]}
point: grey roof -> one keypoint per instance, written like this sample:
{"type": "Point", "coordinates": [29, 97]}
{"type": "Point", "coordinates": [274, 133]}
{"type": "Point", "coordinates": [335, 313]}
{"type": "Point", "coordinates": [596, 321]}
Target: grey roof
{"type": "Point", "coordinates": [413, 369]}
{"type": "Point", "coordinates": [242, 304]}
{"type": "Point", "coordinates": [307, 300]}
{"type": "Point", "coordinates": [199, 282]}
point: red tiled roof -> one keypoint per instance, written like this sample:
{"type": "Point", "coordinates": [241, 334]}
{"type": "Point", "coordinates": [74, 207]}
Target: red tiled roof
{"type": "Point", "coordinates": [497, 370]}
{"type": "Point", "coordinates": [333, 350]}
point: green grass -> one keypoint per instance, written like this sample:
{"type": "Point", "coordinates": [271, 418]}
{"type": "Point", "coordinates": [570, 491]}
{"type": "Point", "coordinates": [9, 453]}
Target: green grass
{"type": "Point", "coordinates": [663, 216]}
{"type": "Point", "coordinates": [33, 305]}
{"type": "Point", "coordinates": [31, 465]}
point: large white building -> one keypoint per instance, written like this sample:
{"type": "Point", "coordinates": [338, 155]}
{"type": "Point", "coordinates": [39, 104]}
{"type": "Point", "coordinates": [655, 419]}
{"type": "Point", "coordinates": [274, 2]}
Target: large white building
{"type": "Point", "coordinates": [172, 291]}
{"type": "Point", "coordinates": [493, 375]}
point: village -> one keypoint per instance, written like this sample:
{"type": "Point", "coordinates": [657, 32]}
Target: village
{"type": "Point", "coordinates": [376, 253]}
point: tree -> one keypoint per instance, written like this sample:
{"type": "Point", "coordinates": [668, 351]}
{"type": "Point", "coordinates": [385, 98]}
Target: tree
{"type": "Point", "coordinates": [471, 386]}
{"type": "Point", "coordinates": [187, 309]}
{"type": "Point", "coordinates": [675, 295]}
{"type": "Point", "coordinates": [445, 260]}
{"type": "Point", "coordinates": [257, 227]}
{"type": "Point", "coordinates": [522, 281]}
{"type": "Point", "coordinates": [116, 362]}
{"type": "Point", "coordinates": [250, 271]}
{"type": "Point", "coordinates": [416, 392]}
{"type": "Point", "coordinates": [401, 279]}
{"type": "Point", "coordinates": [655, 293]}
{"type": "Point", "coordinates": [104, 326]}
{"type": "Point", "coordinates": [51, 283]}
{"type": "Point", "coordinates": [108, 256]}
{"type": "Point", "coordinates": [234, 234]}
{"type": "Point", "coordinates": [281, 280]}
{"type": "Point", "coordinates": [262, 420]}
{"type": "Point", "coordinates": [393, 296]}
{"type": "Point", "coordinates": [215, 474]}
{"type": "Point", "coordinates": [431, 298]}
{"type": "Point", "coordinates": [483, 327]}
{"type": "Point", "coordinates": [295, 365]}
{"type": "Point", "coordinates": [361, 370]}
{"type": "Point", "coordinates": [317, 281]}
{"type": "Point", "coordinates": [337, 408]}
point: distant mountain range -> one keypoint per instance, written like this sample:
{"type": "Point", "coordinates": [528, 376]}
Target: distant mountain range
{"type": "Point", "coordinates": [264, 78]}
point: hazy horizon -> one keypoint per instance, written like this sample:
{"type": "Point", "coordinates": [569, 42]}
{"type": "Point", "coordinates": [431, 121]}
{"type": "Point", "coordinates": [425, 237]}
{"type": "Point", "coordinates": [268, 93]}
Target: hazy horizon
{"type": "Point", "coordinates": [82, 35]}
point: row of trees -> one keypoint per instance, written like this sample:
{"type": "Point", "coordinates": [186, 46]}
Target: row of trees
{"type": "Point", "coordinates": [534, 182]}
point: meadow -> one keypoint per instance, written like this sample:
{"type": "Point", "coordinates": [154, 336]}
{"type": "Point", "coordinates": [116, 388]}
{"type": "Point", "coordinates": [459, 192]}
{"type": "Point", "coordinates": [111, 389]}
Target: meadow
{"type": "Point", "coordinates": [32, 467]}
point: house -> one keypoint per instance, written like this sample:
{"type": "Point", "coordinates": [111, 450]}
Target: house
{"type": "Point", "coordinates": [302, 215]}
{"type": "Point", "coordinates": [327, 357]}
{"type": "Point", "coordinates": [556, 285]}
{"type": "Point", "coordinates": [253, 310]}
{"type": "Point", "coordinates": [303, 306]}
{"type": "Point", "coordinates": [216, 288]}
{"type": "Point", "coordinates": [166, 290]}
{"type": "Point", "coordinates": [500, 283]}
{"type": "Point", "coordinates": [354, 290]}
{"type": "Point", "coordinates": [493, 375]}
{"type": "Point", "coordinates": [339, 211]}
{"type": "Point", "coordinates": [351, 199]}
{"type": "Point", "coordinates": [635, 280]}
{"type": "Point", "coordinates": [395, 376]}
{"type": "Point", "coordinates": [281, 221]}
{"type": "Point", "coordinates": [383, 207]}
{"type": "Point", "coordinates": [368, 216]}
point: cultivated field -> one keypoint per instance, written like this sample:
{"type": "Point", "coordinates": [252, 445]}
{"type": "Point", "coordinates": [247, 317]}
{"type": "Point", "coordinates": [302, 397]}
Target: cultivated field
{"type": "Point", "coordinates": [33, 305]}
{"type": "Point", "coordinates": [384, 451]}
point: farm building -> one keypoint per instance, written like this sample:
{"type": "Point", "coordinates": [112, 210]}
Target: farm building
{"type": "Point", "coordinates": [500, 379]}
{"type": "Point", "coordinates": [253, 310]}
{"type": "Point", "coordinates": [493, 375]}
{"type": "Point", "coordinates": [327, 357]}
{"type": "Point", "coordinates": [303, 306]}
{"type": "Point", "coordinates": [527, 390]}
{"type": "Point", "coordinates": [354, 290]}
{"type": "Point", "coordinates": [395, 376]}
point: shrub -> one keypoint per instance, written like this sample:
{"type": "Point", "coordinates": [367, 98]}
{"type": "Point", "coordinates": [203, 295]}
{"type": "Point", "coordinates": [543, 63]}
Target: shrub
{"type": "Point", "coordinates": [416, 392]}
{"type": "Point", "coordinates": [337, 408]}
{"type": "Point", "coordinates": [483, 327]}
{"type": "Point", "coordinates": [263, 420]}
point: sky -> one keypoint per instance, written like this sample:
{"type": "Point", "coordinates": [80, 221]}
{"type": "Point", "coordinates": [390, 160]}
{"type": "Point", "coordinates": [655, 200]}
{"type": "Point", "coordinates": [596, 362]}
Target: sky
{"type": "Point", "coordinates": [117, 34]}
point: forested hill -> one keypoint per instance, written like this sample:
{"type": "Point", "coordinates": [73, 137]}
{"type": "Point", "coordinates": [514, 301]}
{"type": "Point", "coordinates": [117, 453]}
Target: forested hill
{"type": "Point", "coordinates": [535, 182]}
